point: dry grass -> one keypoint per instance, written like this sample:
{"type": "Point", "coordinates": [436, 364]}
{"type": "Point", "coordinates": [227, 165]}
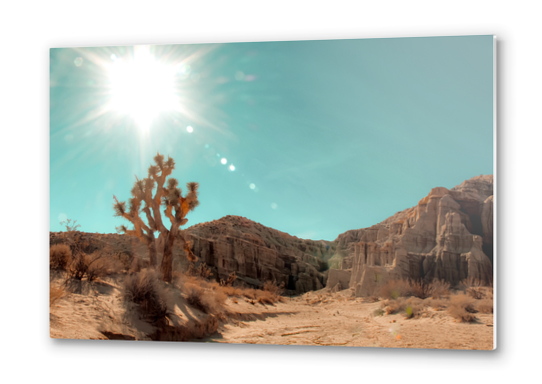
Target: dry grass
{"type": "Point", "coordinates": [462, 308]}
{"type": "Point", "coordinates": [392, 306]}
{"type": "Point", "coordinates": [56, 292]}
{"type": "Point", "coordinates": [437, 304]}
{"type": "Point", "coordinates": [147, 291]}
{"type": "Point", "coordinates": [273, 288]}
{"type": "Point", "coordinates": [232, 291]}
{"type": "Point", "coordinates": [269, 295]}
{"type": "Point", "coordinates": [439, 288]}
{"type": "Point", "coordinates": [394, 289]}
{"type": "Point", "coordinates": [60, 256]}
{"type": "Point", "coordinates": [485, 306]}
{"type": "Point", "coordinates": [93, 266]}
{"type": "Point", "coordinates": [414, 307]}
{"type": "Point", "coordinates": [202, 271]}
{"type": "Point", "coordinates": [208, 297]}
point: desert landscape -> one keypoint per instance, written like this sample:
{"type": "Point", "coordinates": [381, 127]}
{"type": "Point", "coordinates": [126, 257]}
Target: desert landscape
{"type": "Point", "coordinates": [315, 192]}
{"type": "Point", "coordinates": [422, 278]}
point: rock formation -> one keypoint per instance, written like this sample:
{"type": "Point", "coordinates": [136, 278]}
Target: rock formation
{"type": "Point", "coordinates": [258, 254]}
{"type": "Point", "coordinates": [447, 236]}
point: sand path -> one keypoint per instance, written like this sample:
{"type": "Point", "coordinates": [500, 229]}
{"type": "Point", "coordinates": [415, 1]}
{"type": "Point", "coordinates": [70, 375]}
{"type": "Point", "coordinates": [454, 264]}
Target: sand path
{"type": "Point", "coordinates": [336, 320]}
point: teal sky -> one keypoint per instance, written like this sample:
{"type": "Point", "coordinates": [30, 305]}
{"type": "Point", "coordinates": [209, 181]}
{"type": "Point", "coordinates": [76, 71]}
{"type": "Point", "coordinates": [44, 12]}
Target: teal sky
{"type": "Point", "coordinates": [325, 136]}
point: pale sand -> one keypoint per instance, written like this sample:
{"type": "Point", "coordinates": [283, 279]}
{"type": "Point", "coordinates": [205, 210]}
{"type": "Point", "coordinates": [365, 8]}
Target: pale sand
{"type": "Point", "coordinates": [332, 319]}
{"type": "Point", "coordinates": [349, 322]}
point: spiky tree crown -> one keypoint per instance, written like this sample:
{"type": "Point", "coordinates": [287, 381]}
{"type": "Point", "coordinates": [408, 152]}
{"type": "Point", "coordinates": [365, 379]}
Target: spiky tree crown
{"type": "Point", "coordinates": [170, 196]}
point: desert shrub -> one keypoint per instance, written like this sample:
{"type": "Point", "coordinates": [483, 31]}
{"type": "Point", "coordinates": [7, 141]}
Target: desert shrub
{"type": "Point", "coordinates": [393, 306]}
{"type": "Point", "coordinates": [93, 266]}
{"type": "Point", "coordinates": [56, 292]}
{"type": "Point", "coordinates": [437, 304]}
{"type": "Point", "coordinates": [232, 291]}
{"type": "Point", "coordinates": [472, 282]}
{"type": "Point", "coordinates": [202, 270]}
{"type": "Point", "coordinates": [124, 259]}
{"type": "Point", "coordinates": [414, 307]}
{"type": "Point", "coordinates": [438, 288]}
{"type": "Point", "coordinates": [229, 281]}
{"type": "Point", "coordinates": [462, 308]}
{"type": "Point", "coordinates": [101, 265]}
{"type": "Point", "coordinates": [476, 293]}
{"type": "Point", "coordinates": [273, 288]}
{"type": "Point", "coordinates": [420, 289]}
{"type": "Point", "coordinates": [208, 297]}
{"type": "Point", "coordinates": [267, 297]}
{"type": "Point", "coordinates": [485, 306]}
{"type": "Point", "coordinates": [59, 256]}
{"type": "Point", "coordinates": [194, 297]}
{"type": "Point", "coordinates": [394, 289]}
{"type": "Point", "coordinates": [146, 290]}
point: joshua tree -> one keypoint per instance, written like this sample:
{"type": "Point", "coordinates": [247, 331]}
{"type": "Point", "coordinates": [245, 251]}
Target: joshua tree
{"type": "Point", "coordinates": [176, 207]}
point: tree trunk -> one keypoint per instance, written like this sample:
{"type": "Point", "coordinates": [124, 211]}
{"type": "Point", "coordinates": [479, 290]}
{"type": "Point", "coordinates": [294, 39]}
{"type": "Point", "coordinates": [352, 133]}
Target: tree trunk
{"type": "Point", "coordinates": [167, 260]}
{"type": "Point", "coordinates": [151, 244]}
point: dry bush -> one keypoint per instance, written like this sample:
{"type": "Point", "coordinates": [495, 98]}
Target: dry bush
{"type": "Point", "coordinates": [273, 288]}
{"type": "Point", "coordinates": [93, 266]}
{"type": "Point", "coordinates": [267, 297]}
{"type": "Point", "coordinates": [393, 306]}
{"type": "Point", "coordinates": [414, 307]}
{"type": "Point", "coordinates": [56, 293]}
{"type": "Point", "coordinates": [476, 293]}
{"type": "Point", "coordinates": [232, 291]}
{"type": "Point", "coordinates": [194, 297]}
{"type": "Point", "coordinates": [202, 271]}
{"type": "Point", "coordinates": [438, 288]}
{"type": "Point", "coordinates": [437, 304]}
{"type": "Point", "coordinates": [419, 289]}
{"type": "Point", "coordinates": [229, 282]}
{"type": "Point", "coordinates": [394, 289]}
{"type": "Point", "coordinates": [100, 266]}
{"type": "Point", "coordinates": [485, 306]}
{"type": "Point", "coordinates": [208, 297]}
{"type": "Point", "coordinates": [462, 308]}
{"type": "Point", "coordinates": [59, 256]}
{"type": "Point", "coordinates": [145, 289]}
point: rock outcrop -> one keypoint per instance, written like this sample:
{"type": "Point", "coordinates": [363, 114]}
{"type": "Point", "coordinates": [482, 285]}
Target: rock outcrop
{"type": "Point", "coordinates": [447, 236]}
{"type": "Point", "coordinates": [258, 254]}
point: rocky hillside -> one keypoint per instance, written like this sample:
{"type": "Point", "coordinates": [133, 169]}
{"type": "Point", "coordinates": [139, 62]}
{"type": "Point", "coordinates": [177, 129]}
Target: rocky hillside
{"type": "Point", "coordinates": [448, 235]}
{"type": "Point", "coordinates": [258, 253]}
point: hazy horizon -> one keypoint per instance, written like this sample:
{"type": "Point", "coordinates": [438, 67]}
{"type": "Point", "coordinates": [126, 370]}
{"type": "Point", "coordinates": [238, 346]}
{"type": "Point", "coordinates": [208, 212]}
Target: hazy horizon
{"type": "Point", "coordinates": [323, 136]}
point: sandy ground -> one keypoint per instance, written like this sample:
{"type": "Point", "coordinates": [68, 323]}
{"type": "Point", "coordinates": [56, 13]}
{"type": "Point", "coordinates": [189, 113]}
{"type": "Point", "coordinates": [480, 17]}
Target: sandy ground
{"type": "Point", "coordinates": [315, 318]}
{"type": "Point", "coordinates": [341, 321]}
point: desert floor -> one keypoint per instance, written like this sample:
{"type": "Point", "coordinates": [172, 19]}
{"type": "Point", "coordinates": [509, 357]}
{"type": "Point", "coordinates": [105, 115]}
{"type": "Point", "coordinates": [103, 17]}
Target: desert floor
{"type": "Point", "coordinates": [320, 318]}
{"type": "Point", "coordinates": [315, 318]}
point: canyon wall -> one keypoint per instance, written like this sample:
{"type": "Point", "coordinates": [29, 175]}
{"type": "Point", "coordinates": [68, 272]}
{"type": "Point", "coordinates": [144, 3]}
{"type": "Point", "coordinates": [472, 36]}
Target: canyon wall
{"type": "Point", "coordinates": [447, 236]}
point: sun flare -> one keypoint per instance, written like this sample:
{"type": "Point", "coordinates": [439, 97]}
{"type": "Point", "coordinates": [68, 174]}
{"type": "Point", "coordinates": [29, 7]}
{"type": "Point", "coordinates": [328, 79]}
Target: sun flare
{"type": "Point", "coordinates": [142, 87]}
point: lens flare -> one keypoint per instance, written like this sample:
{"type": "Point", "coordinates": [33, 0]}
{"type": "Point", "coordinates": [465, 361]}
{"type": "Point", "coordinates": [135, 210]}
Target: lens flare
{"type": "Point", "coordinates": [223, 160]}
{"type": "Point", "coordinates": [142, 87]}
{"type": "Point", "coordinates": [190, 129]}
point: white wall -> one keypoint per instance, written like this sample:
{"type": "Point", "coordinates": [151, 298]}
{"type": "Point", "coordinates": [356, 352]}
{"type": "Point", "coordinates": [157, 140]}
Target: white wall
{"type": "Point", "coordinates": [29, 29]}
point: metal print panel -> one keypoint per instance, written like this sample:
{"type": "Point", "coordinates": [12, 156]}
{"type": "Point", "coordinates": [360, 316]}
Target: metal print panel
{"type": "Point", "coordinates": [331, 193]}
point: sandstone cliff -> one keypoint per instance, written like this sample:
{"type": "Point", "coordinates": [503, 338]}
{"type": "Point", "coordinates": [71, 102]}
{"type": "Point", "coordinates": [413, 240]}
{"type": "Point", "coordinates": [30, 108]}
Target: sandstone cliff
{"type": "Point", "coordinates": [258, 253]}
{"type": "Point", "coordinates": [448, 235]}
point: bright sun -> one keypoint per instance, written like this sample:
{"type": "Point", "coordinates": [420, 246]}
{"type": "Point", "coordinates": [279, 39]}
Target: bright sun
{"type": "Point", "coordinates": [142, 87]}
